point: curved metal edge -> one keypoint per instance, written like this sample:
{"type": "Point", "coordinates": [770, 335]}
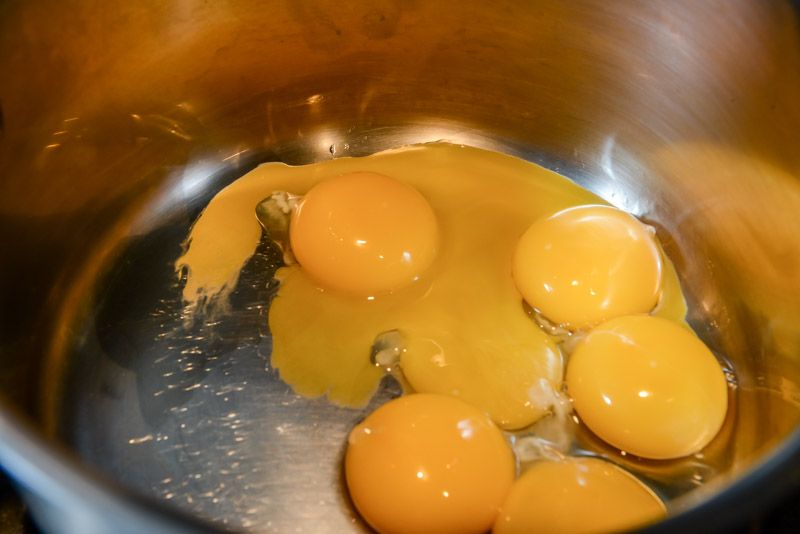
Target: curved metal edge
{"type": "Point", "coordinates": [82, 500]}
{"type": "Point", "coordinates": [760, 487]}
{"type": "Point", "coordinates": [745, 497]}
{"type": "Point", "coordinates": [76, 499]}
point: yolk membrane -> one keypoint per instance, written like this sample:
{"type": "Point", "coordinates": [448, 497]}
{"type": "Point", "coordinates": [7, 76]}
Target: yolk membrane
{"type": "Point", "coordinates": [364, 233]}
{"type": "Point", "coordinates": [586, 264]}
{"type": "Point", "coordinates": [648, 386]}
{"type": "Point", "coordinates": [428, 463]}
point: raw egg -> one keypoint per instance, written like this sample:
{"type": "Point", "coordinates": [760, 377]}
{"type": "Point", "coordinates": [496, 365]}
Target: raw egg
{"type": "Point", "coordinates": [577, 495]}
{"type": "Point", "coordinates": [461, 327]}
{"type": "Point", "coordinates": [419, 262]}
{"type": "Point", "coordinates": [364, 233]}
{"type": "Point", "coordinates": [586, 264]}
{"type": "Point", "coordinates": [648, 386]}
{"type": "Point", "coordinates": [428, 463]}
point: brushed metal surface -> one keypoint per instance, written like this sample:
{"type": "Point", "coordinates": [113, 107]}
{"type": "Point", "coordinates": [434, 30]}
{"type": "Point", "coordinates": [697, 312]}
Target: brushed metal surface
{"type": "Point", "coordinates": [118, 121]}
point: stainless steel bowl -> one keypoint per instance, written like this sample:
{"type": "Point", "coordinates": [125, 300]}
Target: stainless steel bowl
{"type": "Point", "coordinates": [119, 120]}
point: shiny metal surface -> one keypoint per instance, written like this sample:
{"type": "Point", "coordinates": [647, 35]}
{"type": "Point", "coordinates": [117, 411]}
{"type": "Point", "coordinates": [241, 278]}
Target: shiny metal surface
{"type": "Point", "coordinates": [119, 120]}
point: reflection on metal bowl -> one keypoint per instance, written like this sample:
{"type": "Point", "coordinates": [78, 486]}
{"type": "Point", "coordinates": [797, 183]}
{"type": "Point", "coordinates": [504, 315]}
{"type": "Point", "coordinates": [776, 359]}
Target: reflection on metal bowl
{"type": "Point", "coordinates": [119, 121]}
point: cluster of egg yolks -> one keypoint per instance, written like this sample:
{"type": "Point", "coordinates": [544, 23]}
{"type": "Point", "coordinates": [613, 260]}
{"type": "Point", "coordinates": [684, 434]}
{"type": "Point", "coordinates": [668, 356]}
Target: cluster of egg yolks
{"type": "Point", "coordinates": [364, 233]}
{"type": "Point", "coordinates": [468, 336]}
{"type": "Point", "coordinates": [577, 495]}
{"type": "Point", "coordinates": [465, 331]}
{"type": "Point", "coordinates": [648, 386]}
{"type": "Point", "coordinates": [426, 463]}
{"type": "Point", "coordinates": [587, 264]}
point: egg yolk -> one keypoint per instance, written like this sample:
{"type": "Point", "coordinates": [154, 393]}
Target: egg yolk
{"type": "Point", "coordinates": [648, 387]}
{"type": "Point", "coordinates": [364, 233]}
{"type": "Point", "coordinates": [575, 496]}
{"type": "Point", "coordinates": [587, 264]}
{"type": "Point", "coordinates": [428, 463]}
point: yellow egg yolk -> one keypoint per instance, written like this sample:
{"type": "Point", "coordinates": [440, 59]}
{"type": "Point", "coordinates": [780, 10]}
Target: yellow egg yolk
{"type": "Point", "coordinates": [428, 464]}
{"type": "Point", "coordinates": [577, 495]}
{"type": "Point", "coordinates": [648, 387]}
{"type": "Point", "coordinates": [364, 233]}
{"type": "Point", "coordinates": [587, 264]}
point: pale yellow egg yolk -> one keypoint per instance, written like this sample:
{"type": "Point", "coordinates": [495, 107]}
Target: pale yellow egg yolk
{"type": "Point", "coordinates": [578, 495]}
{"type": "Point", "coordinates": [427, 463]}
{"type": "Point", "coordinates": [364, 233]}
{"type": "Point", "coordinates": [587, 264]}
{"type": "Point", "coordinates": [648, 387]}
